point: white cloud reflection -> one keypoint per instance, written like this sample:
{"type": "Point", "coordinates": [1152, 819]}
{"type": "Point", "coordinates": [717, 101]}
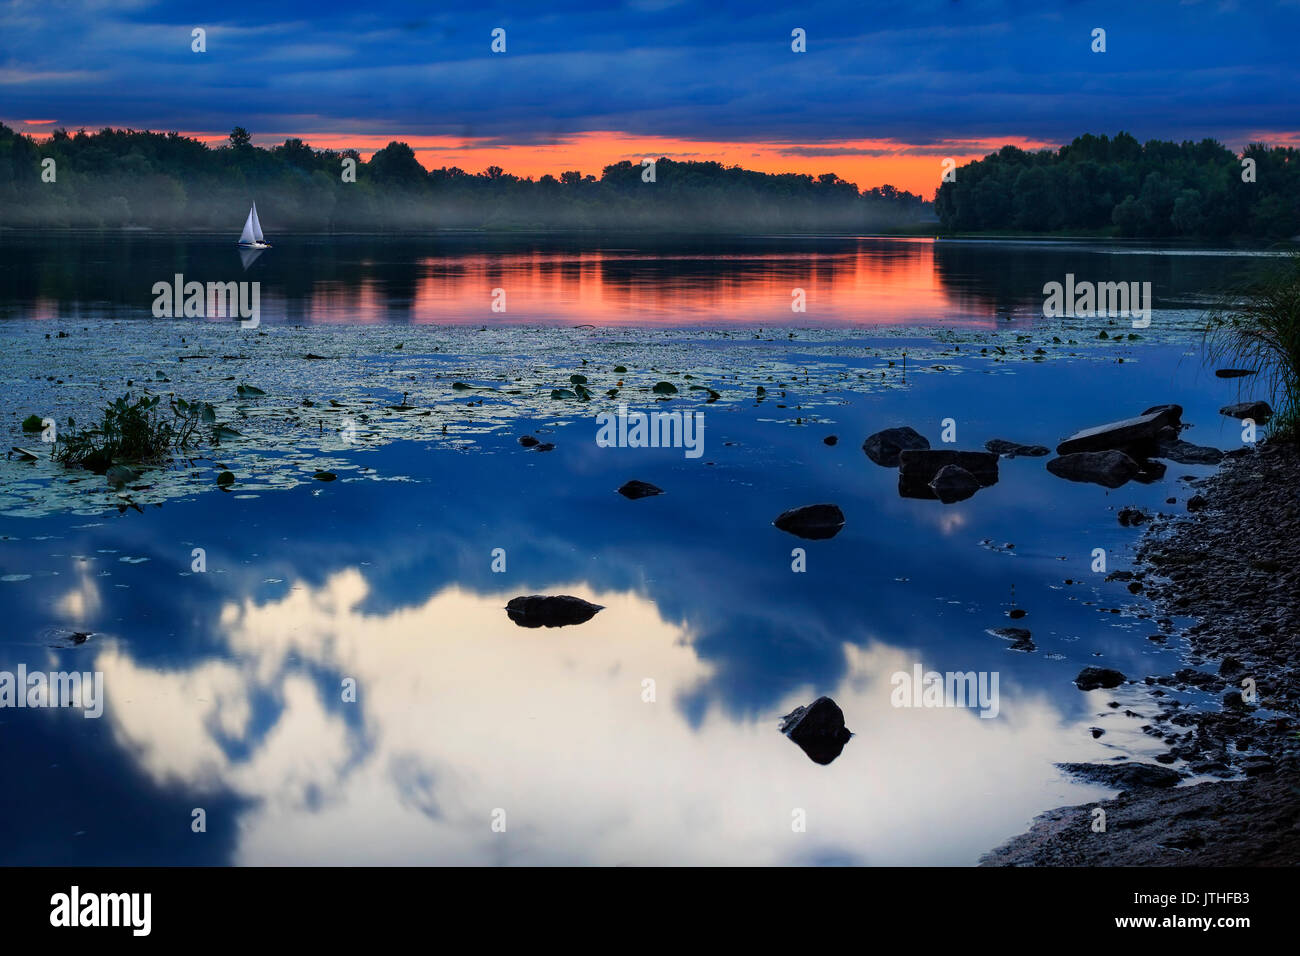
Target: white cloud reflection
{"type": "Point", "coordinates": [459, 712]}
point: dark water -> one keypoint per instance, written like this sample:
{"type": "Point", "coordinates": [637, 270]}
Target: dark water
{"type": "Point", "coordinates": [225, 688]}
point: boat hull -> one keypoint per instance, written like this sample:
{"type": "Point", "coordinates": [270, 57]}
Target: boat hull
{"type": "Point", "coordinates": [254, 245]}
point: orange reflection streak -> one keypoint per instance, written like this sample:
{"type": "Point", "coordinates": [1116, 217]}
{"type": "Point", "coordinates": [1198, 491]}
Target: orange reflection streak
{"type": "Point", "coordinates": [878, 283]}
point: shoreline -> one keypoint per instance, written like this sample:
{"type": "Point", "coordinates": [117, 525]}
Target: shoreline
{"type": "Point", "coordinates": [1233, 564]}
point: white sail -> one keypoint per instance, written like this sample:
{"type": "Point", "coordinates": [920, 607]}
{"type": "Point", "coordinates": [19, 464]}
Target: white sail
{"type": "Point", "coordinates": [257, 226]}
{"type": "Point", "coordinates": [251, 229]}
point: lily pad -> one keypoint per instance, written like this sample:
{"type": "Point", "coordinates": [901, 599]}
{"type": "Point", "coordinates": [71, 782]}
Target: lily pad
{"type": "Point", "coordinates": [226, 478]}
{"type": "Point", "coordinates": [664, 388]}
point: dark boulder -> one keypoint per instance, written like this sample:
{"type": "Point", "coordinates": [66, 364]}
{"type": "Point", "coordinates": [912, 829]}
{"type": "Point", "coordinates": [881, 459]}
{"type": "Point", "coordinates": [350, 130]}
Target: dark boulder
{"type": "Point", "coordinates": [1109, 468]}
{"type": "Point", "coordinates": [639, 489]}
{"type": "Point", "coordinates": [954, 483]}
{"type": "Point", "coordinates": [560, 610]}
{"type": "Point", "coordinates": [818, 729]}
{"type": "Point", "coordinates": [1136, 435]}
{"type": "Point", "coordinates": [1091, 678]}
{"type": "Point", "coordinates": [884, 447]}
{"type": "Point", "coordinates": [923, 464]}
{"type": "Point", "coordinates": [1258, 412]}
{"type": "Point", "coordinates": [815, 522]}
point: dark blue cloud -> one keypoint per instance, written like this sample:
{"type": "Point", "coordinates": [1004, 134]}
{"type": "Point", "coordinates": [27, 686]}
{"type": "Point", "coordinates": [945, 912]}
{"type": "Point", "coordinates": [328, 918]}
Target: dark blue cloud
{"type": "Point", "coordinates": [924, 72]}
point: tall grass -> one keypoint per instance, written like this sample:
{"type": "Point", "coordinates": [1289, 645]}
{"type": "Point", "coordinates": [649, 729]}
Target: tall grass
{"type": "Point", "coordinates": [1257, 327]}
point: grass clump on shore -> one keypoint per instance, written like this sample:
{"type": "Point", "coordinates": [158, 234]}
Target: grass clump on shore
{"type": "Point", "coordinates": [1258, 328]}
{"type": "Point", "coordinates": [130, 432]}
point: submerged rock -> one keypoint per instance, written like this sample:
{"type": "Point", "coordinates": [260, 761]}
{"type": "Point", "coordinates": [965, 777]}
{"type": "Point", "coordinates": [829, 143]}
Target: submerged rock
{"type": "Point", "coordinates": [1019, 637]}
{"type": "Point", "coordinates": [560, 610]}
{"type": "Point", "coordinates": [924, 465]}
{"type": "Point", "coordinates": [1091, 678]}
{"type": "Point", "coordinates": [1138, 435]}
{"type": "Point", "coordinates": [884, 446]}
{"type": "Point", "coordinates": [816, 522]}
{"type": "Point", "coordinates": [1124, 775]}
{"type": "Point", "coordinates": [639, 489]}
{"type": "Point", "coordinates": [818, 729]}
{"type": "Point", "coordinates": [1010, 449]}
{"type": "Point", "coordinates": [1259, 412]}
{"type": "Point", "coordinates": [954, 483]}
{"type": "Point", "coordinates": [1109, 468]}
{"type": "Point", "coordinates": [1185, 453]}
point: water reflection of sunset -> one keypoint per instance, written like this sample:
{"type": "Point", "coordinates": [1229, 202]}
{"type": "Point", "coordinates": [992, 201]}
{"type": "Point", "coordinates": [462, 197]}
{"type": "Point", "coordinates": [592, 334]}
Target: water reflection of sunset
{"type": "Point", "coordinates": [876, 283]}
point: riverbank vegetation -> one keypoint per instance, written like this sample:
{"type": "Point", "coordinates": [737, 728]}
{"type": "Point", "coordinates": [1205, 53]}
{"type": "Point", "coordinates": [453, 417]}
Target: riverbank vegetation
{"type": "Point", "coordinates": [1258, 328]}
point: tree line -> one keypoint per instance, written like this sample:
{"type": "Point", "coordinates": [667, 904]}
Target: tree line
{"type": "Point", "coordinates": [117, 178]}
{"type": "Point", "coordinates": [1122, 187]}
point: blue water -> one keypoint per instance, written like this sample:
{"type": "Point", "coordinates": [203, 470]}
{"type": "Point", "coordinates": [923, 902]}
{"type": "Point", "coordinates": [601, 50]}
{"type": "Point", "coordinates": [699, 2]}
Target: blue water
{"type": "Point", "coordinates": [224, 688]}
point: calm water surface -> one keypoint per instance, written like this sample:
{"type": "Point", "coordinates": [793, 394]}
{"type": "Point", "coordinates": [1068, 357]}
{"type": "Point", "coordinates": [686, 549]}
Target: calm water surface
{"type": "Point", "coordinates": [224, 689]}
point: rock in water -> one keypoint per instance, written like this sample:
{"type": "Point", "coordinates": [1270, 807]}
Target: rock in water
{"type": "Point", "coordinates": [1136, 435]}
{"type": "Point", "coordinates": [1259, 412]}
{"type": "Point", "coordinates": [1109, 468]}
{"type": "Point", "coordinates": [818, 729]}
{"type": "Point", "coordinates": [1124, 775]}
{"type": "Point", "coordinates": [560, 610]}
{"type": "Point", "coordinates": [1185, 453]}
{"type": "Point", "coordinates": [1010, 449]}
{"type": "Point", "coordinates": [883, 447]}
{"type": "Point", "coordinates": [1020, 639]}
{"type": "Point", "coordinates": [922, 465]}
{"type": "Point", "coordinates": [639, 489]}
{"type": "Point", "coordinates": [528, 441]}
{"type": "Point", "coordinates": [816, 522]}
{"type": "Point", "coordinates": [1091, 678]}
{"type": "Point", "coordinates": [954, 483]}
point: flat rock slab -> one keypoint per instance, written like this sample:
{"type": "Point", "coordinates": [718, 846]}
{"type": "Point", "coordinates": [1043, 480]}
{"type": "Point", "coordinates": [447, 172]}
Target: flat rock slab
{"type": "Point", "coordinates": [1258, 412]}
{"type": "Point", "coordinates": [815, 522]}
{"type": "Point", "coordinates": [639, 489]}
{"type": "Point", "coordinates": [558, 610]}
{"type": "Point", "coordinates": [922, 465]}
{"type": "Point", "coordinates": [818, 729]}
{"type": "Point", "coordinates": [884, 446]}
{"type": "Point", "coordinates": [1109, 468]}
{"type": "Point", "coordinates": [1129, 432]}
{"type": "Point", "coordinates": [1124, 776]}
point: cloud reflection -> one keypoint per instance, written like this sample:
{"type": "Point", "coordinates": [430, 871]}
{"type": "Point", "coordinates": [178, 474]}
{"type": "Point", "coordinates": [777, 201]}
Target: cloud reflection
{"type": "Point", "coordinates": [459, 712]}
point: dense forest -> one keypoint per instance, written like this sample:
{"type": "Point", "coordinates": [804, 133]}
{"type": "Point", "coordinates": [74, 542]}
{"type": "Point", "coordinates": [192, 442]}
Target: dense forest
{"type": "Point", "coordinates": [116, 178]}
{"type": "Point", "coordinates": [1127, 188]}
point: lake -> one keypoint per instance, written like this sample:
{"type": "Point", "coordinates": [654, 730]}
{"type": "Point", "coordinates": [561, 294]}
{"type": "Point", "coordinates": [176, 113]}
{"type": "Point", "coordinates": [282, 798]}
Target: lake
{"type": "Point", "coordinates": [298, 670]}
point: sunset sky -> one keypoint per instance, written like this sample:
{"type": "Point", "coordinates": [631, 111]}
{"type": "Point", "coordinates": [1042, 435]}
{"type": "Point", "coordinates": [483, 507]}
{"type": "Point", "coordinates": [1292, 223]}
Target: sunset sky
{"type": "Point", "coordinates": [884, 93]}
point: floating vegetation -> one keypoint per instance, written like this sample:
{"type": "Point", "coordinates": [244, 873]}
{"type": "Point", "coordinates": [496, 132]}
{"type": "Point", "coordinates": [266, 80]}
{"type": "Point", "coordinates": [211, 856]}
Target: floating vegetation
{"type": "Point", "coordinates": [453, 385]}
{"type": "Point", "coordinates": [128, 432]}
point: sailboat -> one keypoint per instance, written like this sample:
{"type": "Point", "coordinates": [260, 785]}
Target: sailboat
{"type": "Point", "coordinates": [251, 237]}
